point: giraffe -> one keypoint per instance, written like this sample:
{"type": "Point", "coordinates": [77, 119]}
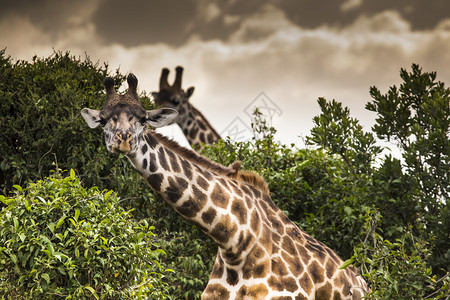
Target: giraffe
{"type": "Point", "coordinates": [261, 253]}
{"type": "Point", "coordinates": [196, 128]}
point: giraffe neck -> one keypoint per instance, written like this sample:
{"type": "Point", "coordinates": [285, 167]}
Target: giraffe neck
{"type": "Point", "coordinates": [196, 128]}
{"type": "Point", "coordinates": [200, 190]}
{"type": "Point", "coordinates": [262, 254]}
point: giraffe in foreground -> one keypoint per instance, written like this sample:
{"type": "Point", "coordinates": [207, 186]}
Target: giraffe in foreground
{"type": "Point", "coordinates": [194, 125]}
{"type": "Point", "coordinates": [261, 253]}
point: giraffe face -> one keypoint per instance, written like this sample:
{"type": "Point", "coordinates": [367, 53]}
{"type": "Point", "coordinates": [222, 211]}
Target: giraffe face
{"type": "Point", "coordinates": [124, 119]}
{"type": "Point", "coordinates": [124, 124]}
{"type": "Point", "coordinates": [176, 100]}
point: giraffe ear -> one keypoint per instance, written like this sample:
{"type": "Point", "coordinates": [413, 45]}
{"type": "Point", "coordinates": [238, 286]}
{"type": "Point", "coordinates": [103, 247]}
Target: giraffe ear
{"type": "Point", "coordinates": [91, 116]}
{"type": "Point", "coordinates": [190, 91]}
{"type": "Point", "coordinates": [161, 117]}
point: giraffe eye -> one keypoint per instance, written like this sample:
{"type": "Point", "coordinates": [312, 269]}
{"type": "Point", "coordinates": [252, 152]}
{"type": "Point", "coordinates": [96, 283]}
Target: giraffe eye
{"type": "Point", "coordinates": [143, 121]}
{"type": "Point", "coordinates": [102, 122]}
{"type": "Point", "coordinates": [176, 101]}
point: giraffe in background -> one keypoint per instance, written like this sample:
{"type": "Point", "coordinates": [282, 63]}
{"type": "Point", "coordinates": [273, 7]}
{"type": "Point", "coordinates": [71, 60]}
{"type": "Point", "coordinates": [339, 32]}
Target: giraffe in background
{"type": "Point", "coordinates": [194, 125]}
{"type": "Point", "coordinates": [261, 253]}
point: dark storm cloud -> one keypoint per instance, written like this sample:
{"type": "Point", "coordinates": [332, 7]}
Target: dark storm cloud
{"type": "Point", "coordinates": [49, 15]}
{"type": "Point", "coordinates": [310, 14]}
{"type": "Point", "coordinates": [174, 22]}
{"type": "Point", "coordinates": [138, 22]}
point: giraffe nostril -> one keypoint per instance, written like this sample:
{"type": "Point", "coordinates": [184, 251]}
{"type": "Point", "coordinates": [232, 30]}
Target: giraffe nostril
{"type": "Point", "coordinates": [124, 137]}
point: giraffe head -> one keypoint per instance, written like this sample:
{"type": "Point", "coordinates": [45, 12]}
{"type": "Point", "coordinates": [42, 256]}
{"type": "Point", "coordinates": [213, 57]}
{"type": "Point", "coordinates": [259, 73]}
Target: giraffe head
{"type": "Point", "coordinates": [173, 96]}
{"type": "Point", "coordinates": [124, 119]}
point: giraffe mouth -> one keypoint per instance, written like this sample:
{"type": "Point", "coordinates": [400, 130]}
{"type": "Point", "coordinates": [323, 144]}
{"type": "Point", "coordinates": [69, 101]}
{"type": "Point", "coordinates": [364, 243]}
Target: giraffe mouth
{"type": "Point", "coordinates": [121, 149]}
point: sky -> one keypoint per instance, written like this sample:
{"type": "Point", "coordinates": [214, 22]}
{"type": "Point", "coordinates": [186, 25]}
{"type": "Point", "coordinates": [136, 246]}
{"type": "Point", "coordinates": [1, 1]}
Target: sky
{"type": "Point", "coordinates": [279, 55]}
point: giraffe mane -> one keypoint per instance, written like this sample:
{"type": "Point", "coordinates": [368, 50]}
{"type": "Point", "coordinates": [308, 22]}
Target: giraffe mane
{"type": "Point", "coordinates": [200, 114]}
{"type": "Point", "coordinates": [253, 179]}
{"type": "Point", "coordinates": [232, 172]}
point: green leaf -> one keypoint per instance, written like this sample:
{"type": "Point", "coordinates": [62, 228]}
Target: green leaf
{"type": "Point", "coordinates": [73, 222]}
{"type": "Point", "coordinates": [27, 205]}
{"type": "Point", "coordinates": [51, 226]}
{"type": "Point", "coordinates": [50, 249]}
{"type": "Point", "coordinates": [60, 221]}
{"type": "Point", "coordinates": [107, 195]}
{"type": "Point", "coordinates": [41, 199]}
{"type": "Point", "coordinates": [16, 224]}
{"type": "Point", "coordinates": [346, 263]}
{"type": "Point", "coordinates": [46, 277]}
{"type": "Point", "coordinates": [72, 174]}
{"type": "Point", "coordinates": [18, 187]}
{"type": "Point", "coordinates": [22, 237]}
{"type": "Point", "coordinates": [77, 214]}
{"type": "Point", "coordinates": [13, 258]}
{"type": "Point", "coordinates": [348, 210]}
{"type": "Point", "coordinates": [91, 290]}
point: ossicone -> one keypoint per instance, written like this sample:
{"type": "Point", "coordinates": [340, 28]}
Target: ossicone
{"type": "Point", "coordinates": [109, 85]}
{"type": "Point", "coordinates": [132, 83]}
{"type": "Point", "coordinates": [179, 73]}
{"type": "Point", "coordinates": [163, 83]}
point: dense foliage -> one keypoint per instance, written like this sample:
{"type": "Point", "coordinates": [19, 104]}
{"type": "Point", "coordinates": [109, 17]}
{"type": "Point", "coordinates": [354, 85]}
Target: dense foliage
{"type": "Point", "coordinates": [40, 103]}
{"type": "Point", "coordinates": [388, 215]}
{"type": "Point", "coordinates": [62, 241]}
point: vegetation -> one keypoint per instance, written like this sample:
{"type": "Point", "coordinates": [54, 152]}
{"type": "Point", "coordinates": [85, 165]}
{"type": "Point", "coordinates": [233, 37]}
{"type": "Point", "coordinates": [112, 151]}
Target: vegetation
{"type": "Point", "coordinates": [389, 216]}
{"type": "Point", "coordinates": [62, 241]}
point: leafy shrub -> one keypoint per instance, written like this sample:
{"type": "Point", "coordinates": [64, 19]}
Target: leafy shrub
{"type": "Point", "coordinates": [40, 103]}
{"type": "Point", "coordinates": [62, 241]}
{"type": "Point", "coordinates": [397, 269]}
{"type": "Point", "coordinates": [191, 255]}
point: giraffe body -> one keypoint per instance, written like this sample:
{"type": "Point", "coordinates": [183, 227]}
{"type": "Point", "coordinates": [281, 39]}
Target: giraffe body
{"type": "Point", "coordinates": [195, 126]}
{"type": "Point", "coordinates": [261, 253]}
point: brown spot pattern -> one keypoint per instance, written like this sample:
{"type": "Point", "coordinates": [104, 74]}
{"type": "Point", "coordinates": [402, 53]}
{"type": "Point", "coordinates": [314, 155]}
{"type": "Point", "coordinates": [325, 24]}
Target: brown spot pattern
{"type": "Point", "coordinates": [187, 168]}
{"type": "Point", "coordinates": [224, 229]}
{"type": "Point", "coordinates": [258, 291]}
{"type": "Point", "coordinates": [214, 292]}
{"type": "Point", "coordinates": [239, 210]}
{"type": "Point", "coordinates": [316, 271]}
{"type": "Point", "coordinates": [306, 283]}
{"type": "Point", "coordinates": [232, 277]}
{"type": "Point", "coordinates": [218, 197]}
{"type": "Point", "coordinates": [155, 181]}
{"type": "Point", "coordinates": [209, 215]}
{"type": "Point", "coordinates": [202, 183]}
{"type": "Point", "coordinates": [324, 292]}
{"type": "Point", "coordinates": [330, 268]}
{"type": "Point", "coordinates": [153, 166]}
{"type": "Point", "coordinates": [189, 208]}
{"type": "Point", "coordinates": [176, 188]}
{"type": "Point", "coordinates": [162, 159]}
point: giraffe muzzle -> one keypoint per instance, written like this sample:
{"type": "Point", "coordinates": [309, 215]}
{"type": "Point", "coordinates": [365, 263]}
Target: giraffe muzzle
{"type": "Point", "coordinates": [123, 142]}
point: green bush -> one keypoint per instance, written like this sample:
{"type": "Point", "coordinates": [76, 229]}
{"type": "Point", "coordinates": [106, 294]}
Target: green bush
{"type": "Point", "coordinates": [397, 269]}
{"type": "Point", "coordinates": [40, 104]}
{"type": "Point", "coordinates": [62, 241]}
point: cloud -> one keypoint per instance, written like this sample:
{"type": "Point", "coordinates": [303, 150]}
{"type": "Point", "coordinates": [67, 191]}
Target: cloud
{"type": "Point", "coordinates": [264, 50]}
{"type": "Point", "coordinates": [141, 22]}
{"type": "Point", "coordinates": [350, 5]}
{"type": "Point", "coordinates": [20, 36]}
